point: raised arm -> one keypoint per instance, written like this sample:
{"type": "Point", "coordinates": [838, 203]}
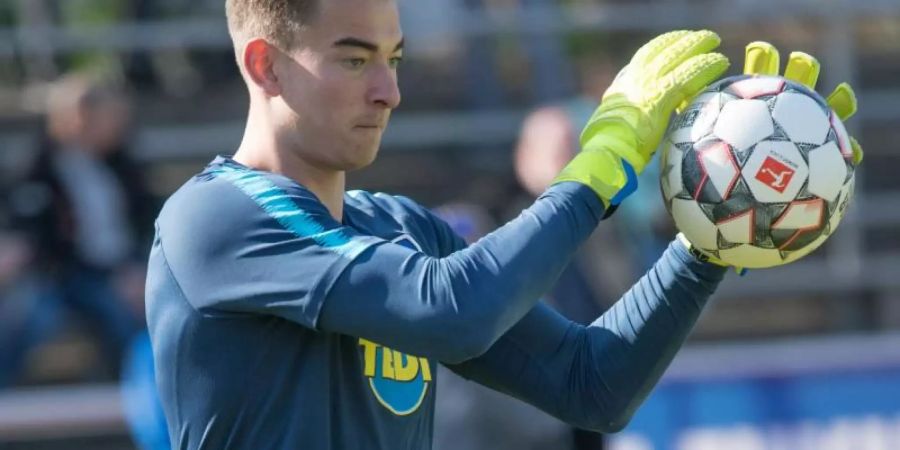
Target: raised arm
{"type": "Point", "coordinates": [596, 376]}
{"type": "Point", "coordinates": [454, 308]}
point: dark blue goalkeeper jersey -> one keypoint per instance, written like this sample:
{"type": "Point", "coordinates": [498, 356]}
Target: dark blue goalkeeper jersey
{"type": "Point", "coordinates": [274, 326]}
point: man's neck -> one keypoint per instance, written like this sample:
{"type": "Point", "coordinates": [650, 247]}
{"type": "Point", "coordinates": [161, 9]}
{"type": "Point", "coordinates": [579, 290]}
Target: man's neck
{"type": "Point", "coordinates": [327, 185]}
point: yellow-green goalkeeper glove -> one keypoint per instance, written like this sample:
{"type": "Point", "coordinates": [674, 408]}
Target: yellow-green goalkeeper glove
{"type": "Point", "coordinates": [625, 130]}
{"type": "Point", "coordinates": [762, 58]}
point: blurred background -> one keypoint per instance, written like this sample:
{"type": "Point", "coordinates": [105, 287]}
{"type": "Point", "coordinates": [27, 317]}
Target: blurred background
{"type": "Point", "coordinates": [107, 106]}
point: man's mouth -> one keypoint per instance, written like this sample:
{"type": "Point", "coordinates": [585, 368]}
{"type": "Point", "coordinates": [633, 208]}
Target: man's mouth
{"type": "Point", "coordinates": [369, 128]}
{"type": "Point", "coordinates": [375, 121]}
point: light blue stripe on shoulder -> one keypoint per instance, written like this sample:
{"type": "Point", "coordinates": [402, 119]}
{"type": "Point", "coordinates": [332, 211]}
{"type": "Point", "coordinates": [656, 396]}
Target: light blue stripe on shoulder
{"type": "Point", "coordinates": [278, 204]}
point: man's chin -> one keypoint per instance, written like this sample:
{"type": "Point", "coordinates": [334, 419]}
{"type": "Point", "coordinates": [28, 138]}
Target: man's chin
{"type": "Point", "coordinates": [362, 158]}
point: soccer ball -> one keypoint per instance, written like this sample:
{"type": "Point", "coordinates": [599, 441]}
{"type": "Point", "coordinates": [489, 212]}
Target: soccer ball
{"type": "Point", "coordinates": [757, 171]}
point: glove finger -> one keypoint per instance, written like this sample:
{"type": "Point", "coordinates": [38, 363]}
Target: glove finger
{"type": "Point", "coordinates": [857, 151]}
{"type": "Point", "coordinates": [650, 50]}
{"type": "Point", "coordinates": [693, 44]}
{"type": "Point", "coordinates": [761, 58]}
{"type": "Point", "coordinates": [843, 101]}
{"type": "Point", "coordinates": [803, 68]}
{"type": "Point", "coordinates": [693, 76]}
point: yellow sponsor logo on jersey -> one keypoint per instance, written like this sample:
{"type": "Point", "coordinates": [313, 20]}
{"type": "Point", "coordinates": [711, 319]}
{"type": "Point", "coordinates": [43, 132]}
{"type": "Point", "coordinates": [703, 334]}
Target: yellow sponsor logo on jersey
{"type": "Point", "coordinates": [399, 381]}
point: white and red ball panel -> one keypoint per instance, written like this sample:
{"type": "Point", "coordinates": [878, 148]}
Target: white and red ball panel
{"type": "Point", "coordinates": [801, 117]}
{"type": "Point", "coordinates": [739, 228]}
{"type": "Point", "coordinates": [801, 223]}
{"type": "Point", "coordinates": [719, 167]}
{"type": "Point", "coordinates": [695, 177]}
{"type": "Point", "coordinates": [791, 256]}
{"type": "Point", "coordinates": [804, 215]}
{"type": "Point", "coordinates": [754, 87]}
{"type": "Point", "coordinates": [827, 171]}
{"type": "Point", "coordinates": [697, 121]}
{"type": "Point", "coordinates": [732, 123]}
{"type": "Point", "coordinates": [693, 222]}
{"type": "Point", "coordinates": [751, 257]}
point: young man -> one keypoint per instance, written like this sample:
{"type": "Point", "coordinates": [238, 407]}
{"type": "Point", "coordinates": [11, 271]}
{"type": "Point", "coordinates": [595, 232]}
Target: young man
{"type": "Point", "coordinates": [287, 313]}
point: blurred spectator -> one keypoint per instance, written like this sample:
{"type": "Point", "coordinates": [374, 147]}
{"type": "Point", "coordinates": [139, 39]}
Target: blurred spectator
{"type": "Point", "coordinates": [547, 141]}
{"type": "Point", "coordinates": [81, 211]}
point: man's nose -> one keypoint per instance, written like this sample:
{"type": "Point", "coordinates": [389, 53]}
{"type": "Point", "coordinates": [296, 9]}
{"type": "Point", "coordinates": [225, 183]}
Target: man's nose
{"type": "Point", "coordinates": [384, 90]}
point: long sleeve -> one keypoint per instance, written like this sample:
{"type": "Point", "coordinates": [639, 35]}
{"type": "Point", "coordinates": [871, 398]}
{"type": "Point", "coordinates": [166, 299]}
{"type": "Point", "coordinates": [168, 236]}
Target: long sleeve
{"type": "Point", "coordinates": [596, 376]}
{"type": "Point", "coordinates": [455, 307]}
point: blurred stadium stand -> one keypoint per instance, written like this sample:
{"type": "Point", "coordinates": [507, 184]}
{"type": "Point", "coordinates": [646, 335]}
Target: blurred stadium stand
{"type": "Point", "coordinates": [191, 105]}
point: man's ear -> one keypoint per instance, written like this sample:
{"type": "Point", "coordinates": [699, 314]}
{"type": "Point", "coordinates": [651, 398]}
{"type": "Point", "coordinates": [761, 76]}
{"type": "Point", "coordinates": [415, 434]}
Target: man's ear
{"type": "Point", "coordinates": [259, 62]}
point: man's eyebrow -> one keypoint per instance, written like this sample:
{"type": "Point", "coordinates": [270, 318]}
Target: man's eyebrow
{"type": "Point", "coordinates": [363, 44]}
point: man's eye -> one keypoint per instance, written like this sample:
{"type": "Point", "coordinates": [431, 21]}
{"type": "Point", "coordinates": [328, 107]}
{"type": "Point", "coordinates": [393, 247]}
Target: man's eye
{"type": "Point", "coordinates": [395, 61]}
{"type": "Point", "coordinates": [354, 63]}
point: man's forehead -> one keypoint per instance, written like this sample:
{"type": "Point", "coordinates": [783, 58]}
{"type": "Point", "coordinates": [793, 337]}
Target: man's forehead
{"type": "Point", "coordinates": [353, 42]}
{"type": "Point", "coordinates": [371, 21]}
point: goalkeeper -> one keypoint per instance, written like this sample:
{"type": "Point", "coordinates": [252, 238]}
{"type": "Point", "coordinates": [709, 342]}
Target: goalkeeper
{"type": "Point", "coordinates": [287, 313]}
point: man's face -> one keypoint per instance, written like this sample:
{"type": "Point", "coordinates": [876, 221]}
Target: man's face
{"type": "Point", "coordinates": [339, 84]}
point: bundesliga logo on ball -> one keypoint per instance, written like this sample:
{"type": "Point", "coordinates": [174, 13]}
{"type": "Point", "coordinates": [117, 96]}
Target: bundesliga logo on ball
{"type": "Point", "coordinates": [757, 171]}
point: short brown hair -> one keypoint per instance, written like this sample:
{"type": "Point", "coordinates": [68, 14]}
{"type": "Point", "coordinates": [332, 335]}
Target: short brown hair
{"type": "Point", "coordinates": [277, 21]}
